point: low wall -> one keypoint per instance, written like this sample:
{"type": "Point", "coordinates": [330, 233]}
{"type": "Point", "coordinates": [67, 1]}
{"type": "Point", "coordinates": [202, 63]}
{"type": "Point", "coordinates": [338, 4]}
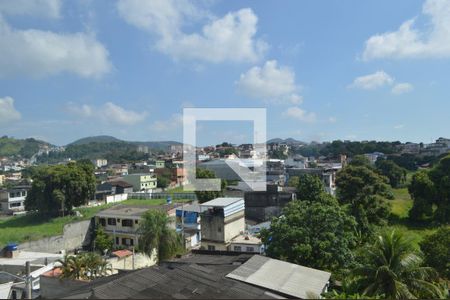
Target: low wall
{"type": "Point", "coordinates": [75, 235]}
{"type": "Point", "coordinates": [116, 198]}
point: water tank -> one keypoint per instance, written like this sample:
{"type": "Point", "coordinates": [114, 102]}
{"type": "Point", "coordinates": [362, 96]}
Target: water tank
{"type": "Point", "coordinates": [11, 247]}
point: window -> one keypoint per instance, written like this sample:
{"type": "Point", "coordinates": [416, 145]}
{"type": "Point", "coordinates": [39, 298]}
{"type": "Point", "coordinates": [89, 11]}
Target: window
{"type": "Point", "coordinates": [219, 229]}
{"type": "Point", "coordinates": [102, 221]}
{"type": "Point", "coordinates": [131, 242]}
{"type": "Point", "coordinates": [237, 248]}
{"type": "Point", "coordinates": [24, 193]}
{"type": "Point", "coordinates": [16, 204]}
{"type": "Point", "coordinates": [127, 223]}
{"type": "Point", "coordinates": [250, 249]}
{"type": "Point", "coordinates": [211, 248]}
{"type": "Point", "coordinates": [11, 195]}
{"type": "Point", "coordinates": [117, 241]}
{"type": "Point", "coordinates": [111, 221]}
{"type": "Point", "coordinates": [124, 241]}
{"type": "Point", "coordinates": [136, 221]}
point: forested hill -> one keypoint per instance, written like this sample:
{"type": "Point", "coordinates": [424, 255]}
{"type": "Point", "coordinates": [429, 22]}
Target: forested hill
{"type": "Point", "coordinates": [25, 148]}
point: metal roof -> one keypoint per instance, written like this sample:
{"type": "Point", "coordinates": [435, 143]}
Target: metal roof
{"type": "Point", "coordinates": [221, 202]}
{"type": "Point", "coordinates": [282, 277]}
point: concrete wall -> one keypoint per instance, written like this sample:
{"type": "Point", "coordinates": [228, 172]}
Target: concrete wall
{"type": "Point", "coordinates": [116, 198]}
{"type": "Point", "coordinates": [126, 263]}
{"type": "Point", "coordinates": [75, 235]}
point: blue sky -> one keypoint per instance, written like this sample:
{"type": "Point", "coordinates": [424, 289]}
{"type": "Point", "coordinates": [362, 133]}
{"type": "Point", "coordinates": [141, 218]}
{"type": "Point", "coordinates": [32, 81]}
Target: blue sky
{"type": "Point", "coordinates": [324, 70]}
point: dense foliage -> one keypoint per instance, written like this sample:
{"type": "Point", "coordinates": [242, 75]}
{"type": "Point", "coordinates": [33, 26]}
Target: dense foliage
{"type": "Point", "coordinates": [312, 234]}
{"type": "Point", "coordinates": [391, 267]}
{"type": "Point", "coordinates": [59, 188]}
{"type": "Point", "coordinates": [15, 147]}
{"type": "Point", "coordinates": [430, 188]}
{"type": "Point", "coordinates": [86, 266]}
{"type": "Point", "coordinates": [114, 152]}
{"type": "Point", "coordinates": [204, 196]}
{"type": "Point", "coordinates": [436, 250]}
{"type": "Point", "coordinates": [364, 192]}
{"type": "Point", "coordinates": [388, 168]}
{"type": "Point", "coordinates": [156, 235]}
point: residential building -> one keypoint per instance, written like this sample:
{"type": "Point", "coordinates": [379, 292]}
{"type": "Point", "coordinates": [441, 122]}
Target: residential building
{"type": "Point", "coordinates": [373, 157]}
{"type": "Point", "coordinates": [141, 182]}
{"type": "Point", "coordinates": [112, 188]}
{"type": "Point", "coordinates": [2, 179]}
{"type": "Point", "coordinates": [188, 224]}
{"type": "Point", "coordinates": [119, 169]}
{"type": "Point", "coordinates": [140, 169]}
{"type": "Point", "coordinates": [222, 220]}
{"type": "Point", "coordinates": [326, 174]}
{"type": "Point", "coordinates": [261, 206]}
{"type": "Point", "coordinates": [13, 200]}
{"type": "Point", "coordinates": [100, 162]}
{"type": "Point", "coordinates": [246, 243]}
{"type": "Point", "coordinates": [121, 222]}
{"type": "Point", "coordinates": [199, 276]}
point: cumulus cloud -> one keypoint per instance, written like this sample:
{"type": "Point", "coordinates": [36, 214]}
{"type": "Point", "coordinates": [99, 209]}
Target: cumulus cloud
{"type": "Point", "coordinates": [332, 119]}
{"type": "Point", "coordinates": [300, 114]}
{"type": "Point", "coordinates": [411, 42]}
{"type": "Point", "coordinates": [38, 53]}
{"type": "Point", "coordinates": [8, 112]}
{"type": "Point", "coordinates": [41, 8]}
{"type": "Point", "coordinates": [270, 82]}
{"type": "Point", "coordinates": [109, 113]}
{"type": "Point", "coordinates": [399, 126]}
{"type": "Point", "coordinates": [372, 81]}
{"type": "Point", "coordinates": [229, 38]}
{"type": "Point", "coordinates": [402, 88]}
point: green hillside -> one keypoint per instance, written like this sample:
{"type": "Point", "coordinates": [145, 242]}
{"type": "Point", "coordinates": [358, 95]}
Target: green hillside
{"type": "Point", "coordinates": [25, 148]}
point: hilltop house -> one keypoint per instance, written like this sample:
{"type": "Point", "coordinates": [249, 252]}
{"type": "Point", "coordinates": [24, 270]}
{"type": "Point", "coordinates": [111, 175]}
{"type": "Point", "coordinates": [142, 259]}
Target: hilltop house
{"type": "Point", "coordinates": [141, 181]}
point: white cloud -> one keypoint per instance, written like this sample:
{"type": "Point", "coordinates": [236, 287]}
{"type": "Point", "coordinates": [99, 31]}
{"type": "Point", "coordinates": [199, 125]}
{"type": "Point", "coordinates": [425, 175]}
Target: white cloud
{"type": "Point", "coordinates": [38, 53]}
{"type": "Point", "coordinates": [410, 42]}
{"type": "Point", "coordinates": [7, 111]}
{"type": "Point", "coordinates": [108, 113]}
{"type": "Point", "coordinates": [42, 8]}
{"type": "Point", "coordinates": [401, 88]}
{"type": "Point", "coordinates": [300, 114]}
{"type": "Point", "coordinates": [400, 126]}
{"type": "Point", "coordinates": [174, 122]}
{"type": "Point", "coordinates": [230, 38]}
{"type": "Point", "coordinates": [332, 119]}
{"type": "Point", "coordinates": [372, 81]}
{"type": "Point", "coordinates": [271, 83]}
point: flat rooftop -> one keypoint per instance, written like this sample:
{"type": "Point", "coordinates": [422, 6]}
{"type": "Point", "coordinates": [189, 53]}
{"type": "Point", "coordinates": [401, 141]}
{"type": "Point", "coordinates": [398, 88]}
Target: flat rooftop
{"type": "Point", "coordinates": [243, 239]}
{"type": "Point", "coordinates": [132, 210]}
{"type": "Point", "coordinates": [222, 202]}
{"type": "Point", "coordinates": [21, 257]}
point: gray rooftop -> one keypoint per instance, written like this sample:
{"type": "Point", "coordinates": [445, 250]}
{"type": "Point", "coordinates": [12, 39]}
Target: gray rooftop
{"type": "Point", "coordinates": [221, 202]}
{"type": "Point", "coordinates": [282, 277]}
{"type": "Point", "coordinates": [132, 210]}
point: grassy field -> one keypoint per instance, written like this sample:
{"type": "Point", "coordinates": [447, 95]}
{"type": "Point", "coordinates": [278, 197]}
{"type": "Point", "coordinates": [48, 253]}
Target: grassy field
{"type": "Point", "coordinates": [32, 227]}
{"type": "Point", "coordinates": [400, 207]}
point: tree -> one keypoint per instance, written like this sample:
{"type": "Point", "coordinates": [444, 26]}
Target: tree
{"type": "Point", "coordinates": [436, 250]}
{"type": "Point", "coordinates": [59, 188]}
{"type": "Point", "coordinates": [155, 234]}
{"type": "Point", "coordinates": [293, 181]}
{"type": "Point", "coordinates": [422, 191]}
{"type": "Point", "coordinates": [430, 188]}
{"type": "Point", "coordinates": [102, 240]}
{"type": "Point", "coordinates": [361, 160]}
{"type": "Point", "coordinates": [391, 267]}
{"type": "Point", "coordinates": [313, 234]}
{"type": "Point", "coordinates": [388, 168]}
{"type": "Point", "coordinates": [204, 196]}
{"type": "Point", "coordinates": [364, 193]}
{"type": "Point", "coordinates": [86, 266]}
{"type": "Point", "coordinates": [310, 188]}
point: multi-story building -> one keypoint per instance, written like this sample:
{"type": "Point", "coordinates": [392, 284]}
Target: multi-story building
{"type": "Point", "coordinates": [13, 200]}
{"type": "Point", "coordinates": [141, 182]}
{"type": "Point", "coordinates": [121, 222]}
{"type": "Point", "coordinates": [100, 162]}
{"type": "Point", "coordinates": [2, 179]}
{"type": "Point", "coordinates": [188, 224]}
{"type": "Point", "coordinates": [222, 220]}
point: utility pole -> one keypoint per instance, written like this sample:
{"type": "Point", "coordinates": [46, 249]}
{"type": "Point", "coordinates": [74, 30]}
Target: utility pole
{"type": "Point", "coordinates": [28, 279]}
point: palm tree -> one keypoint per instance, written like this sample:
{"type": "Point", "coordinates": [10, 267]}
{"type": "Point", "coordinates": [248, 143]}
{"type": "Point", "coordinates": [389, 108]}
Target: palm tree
{"type": "Point", "coordinates": [155, 234]}
{"type": "Point", "coordinates": [394, 269]}
{"type": "Point", "coordinates": [85, 266]}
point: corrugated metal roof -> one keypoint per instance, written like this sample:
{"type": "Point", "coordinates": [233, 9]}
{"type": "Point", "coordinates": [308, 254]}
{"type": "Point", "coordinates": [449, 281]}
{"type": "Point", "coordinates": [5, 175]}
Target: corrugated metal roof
{"type": "Point", "coordinates": [283, 277]}
{"type": "Point", "coordinates": [221, 202]}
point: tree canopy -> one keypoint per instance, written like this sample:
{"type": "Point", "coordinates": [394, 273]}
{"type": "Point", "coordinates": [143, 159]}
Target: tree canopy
{"type": "Point", "coordinates": [436, 250]}
{"type": "Point", "coordinates": [204, 196]}
{"type": "Point", "coordinates": [364, 193]}
{"type": "Point", "coordinates": [388, 168]}
{"type": "Point", "coordinates": [313, 234]}
{"type": "Point", "coordinates": [59, 188]}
